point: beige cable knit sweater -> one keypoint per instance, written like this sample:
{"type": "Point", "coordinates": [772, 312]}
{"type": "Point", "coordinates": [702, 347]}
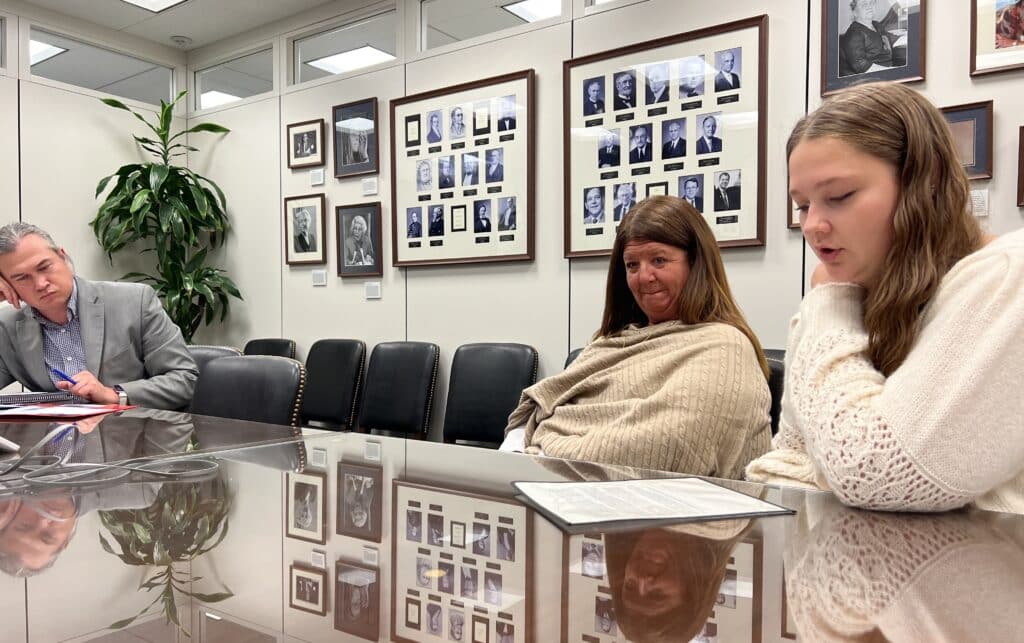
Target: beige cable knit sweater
{"type": "Point", "coordinates": [944, 429]}
{"type": "Point", "coordinates": [672, 397]}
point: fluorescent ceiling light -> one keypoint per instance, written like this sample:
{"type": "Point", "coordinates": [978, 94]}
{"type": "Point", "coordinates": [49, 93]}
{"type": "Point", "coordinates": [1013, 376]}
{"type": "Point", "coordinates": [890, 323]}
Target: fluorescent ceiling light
{"type": "Point", "coordinates": [358, 124]}
{"type": "Point", "coordinates": [349, 60]}
{"type": "Point", "coordinates": [534, 10]}
{"type": "Point", "coordinates": [602, 1]}
{"type": "Point", "coordinates": [213, 98]}
{"type": "Point", "coordinates": [156, 6]}
{"type": "Point", "coordinates": [40, 51]}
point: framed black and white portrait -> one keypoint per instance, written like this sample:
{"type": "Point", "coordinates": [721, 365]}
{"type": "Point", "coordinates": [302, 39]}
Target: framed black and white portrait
{"type": "Point", "coordinates": [478, 145]}
{"type": "Point", "coordinates": [446, 577]}
{"type": "Point", "coordinates": [691, 189]}
{"type": "Point", "coordinates": [304, 226]}
{"type": "Point", "coordinates": [593, 96]}
{"type": "Point", "coordinates": [997, 36]}
{"type": "Point", "coordinates": [414, 222]}
{"type": "Point", "coordinates": [435, 530]}
{"type": "Point", "coordinates": [305, 144]}
{"type": "Point", "coordinates": [357, 600]}
{"type": "Point", "coordinates": [306, 507]}
{"type": "Point", "coordinates": [728, 194]}
{"type": "Point", "coordinates": [424, 573]}
{"type": "Point", "coordinates": [359, 501]}
{"type": "Point", "coordinates": [414, 526]}
{"type": "Point", "coordinates": [971, 125]}
{"type": "Point", "coordinates": [359, 243]}
{"type": "Point", "coordinates": [356, 144]}
{"type": "Point", "coordinates": [481, 539]}
{"type": "Point", "coordinates": [506, 537]}
{"type": "Point", "coordinates": [434, 621]}
{"type": "Point", "coordinates": [308, 589]}
{"type": "Point", "coordinates": [469, 582]}
{"type": "Point", "coordinates": [869, 40]}
{"type": "Point", "coordinates": [680, 106]}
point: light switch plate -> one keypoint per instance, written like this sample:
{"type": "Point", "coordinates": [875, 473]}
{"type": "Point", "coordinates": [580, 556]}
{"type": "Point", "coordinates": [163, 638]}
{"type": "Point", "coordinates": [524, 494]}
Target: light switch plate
{"type": "Point", "coordinates": [372, 451]}
{"type": "Point", "coordinates": [373, 290]}
{"type": "Point", "coordinates": [319, 277]}
{"type": "Point", "coordinates": [316, 177]}
{"type": "Point", "coordinates": [370, 186]}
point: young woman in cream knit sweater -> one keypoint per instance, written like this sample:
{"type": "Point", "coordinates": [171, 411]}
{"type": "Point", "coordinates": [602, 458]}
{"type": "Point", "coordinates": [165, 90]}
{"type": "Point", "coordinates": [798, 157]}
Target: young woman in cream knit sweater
{"type": "Point", "coordinates": [903, 374]}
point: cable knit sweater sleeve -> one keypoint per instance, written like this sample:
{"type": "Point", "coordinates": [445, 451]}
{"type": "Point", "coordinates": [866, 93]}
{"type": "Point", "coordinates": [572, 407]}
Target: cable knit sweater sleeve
{"type": "Point", "coordinates": [945, 427]}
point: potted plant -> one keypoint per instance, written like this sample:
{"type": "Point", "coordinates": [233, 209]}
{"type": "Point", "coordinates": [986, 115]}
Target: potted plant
{"type": "Point", "coordinates": [176, 213]}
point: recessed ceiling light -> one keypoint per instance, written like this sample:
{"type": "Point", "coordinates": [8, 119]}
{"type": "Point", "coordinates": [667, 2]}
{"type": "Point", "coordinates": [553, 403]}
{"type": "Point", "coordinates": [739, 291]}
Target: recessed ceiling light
{"type": "Point", "coordinates": [534, 10]}
{"type": "Point", "coordinates": [349, 60]}
{"type": "Point", "coordinates": [40, 51]}
{"type": "Point", "coordinates": [156, 6]}
{"type": "Point", "coordinates": [213, 98]}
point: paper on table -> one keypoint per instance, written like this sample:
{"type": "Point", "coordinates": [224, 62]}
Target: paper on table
{"type": "Point", "coordinates": [683, 499]}
{"type": "Point", "coordinates": [60, 410]}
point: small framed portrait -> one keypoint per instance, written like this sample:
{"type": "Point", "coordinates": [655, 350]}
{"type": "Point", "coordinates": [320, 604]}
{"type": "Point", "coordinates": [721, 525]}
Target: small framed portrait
{"type": "Point", "coordinates": [359, 244]}
{"type": "Point", "coordinates": [506, 113]}
{"type": "Point", "coordinates": [359, 501]}
{"type": "Point", "coordinates": [468, 586]}
{"type": "Point", "coordinates": [997, 36]}
{"type": "Point", "coordinates": [727, 190]}
{"type": "Point", "coordinates": [457, 534]}
{"type": "Point", "coordinates": [1020, 169]}
{"type": "Point", "coordinates": [304, 225]}
{"type": "Point", "coordinates": [306, 512]}
{"type": "Point", "coordinates": [435, 530]}
{"type": "Point", "coordinates": [481, 539]}
{"type": "Point", "coordinates": [640, 144]}
{"type": "Point", "coordinates": [458, 218]}
{"type": "Point", "coordinates": [869, 40]}
{"type": "Point", "coordinates": [593, 204]}
{"type": "Point", "coordinates": [481, 216]}
{"type": "Point", "coordinates": [494, 171]}
{"type": "Point", "coordinates": [424, 176]}
{"type": "Point", "coordinates": [592, 560]}
{"type": "Point", "coordinates": [609, 152]}
{"type": "Point", "coordinates": [356, 600]}
{"type": "Point", "coordinates": [356, 144]}
{"type": "Point", "coordinates": [435, 132]}
{"type": "Point", "coordinates": [593, 96]}
{"type": "Point", "coordinates": [308, 589]}
{"type": "Point", "coordinates": [506, 632]}
{"type": "Point", "coordinates": [492, 588]}
{"type": "Point", "coordinates": [506, 544]}
{"type": "Point", "coordinates": [414, 222]}
{"type": "Point", "coordinates": [470, 169]}
{"type": "Point", "coordinates": [413, 526]}
{"type": "Point", "coordinates": [435, 224]}
{"type": "Point", "coordinates": [625, 199]}
{"type": "Point", "coordinates": [412, 130]}
{"type": "Point", "coordinates": [457, 122]}
{"type": "Point", "coordinates": [481, 118]}
{"type": "Point", "coordinates": [424, 574]}
{"type": "Point", "coordinates": [506, 213]}
{"type": "Point", "coordinates": [446, 172]}
{"type": "Point", "coordinates": [656, 87]}
{"type": "Point", "coordinates": [971, 125]}
{"type": "Point", "coordinates": [625, 89]}
{"type": "Point", "coordinates": [481, 629]}
{"type": "Point", "coordinates": [446, 577]}
{"type": "Point", "coordinates": [306, 144]}
{"type": "Point", "coordinates": [657, 189]}
{"type": "Point", "coordinates": [691, 77]}
{"type": "Point", "coordinates": [709, 133]}
{"type": "Point", "coordinates": [673, 139]}
{"type": "Point", "coordinates": [435, 619]}
{"type": "Point", "coordinates": [456, 624]}
{"type": "Point", "coordinates": [691, 190]}
{"type": "Point", "coordinates": [604, 616]}
{"type": "Point", "coordinates": [728, 69]}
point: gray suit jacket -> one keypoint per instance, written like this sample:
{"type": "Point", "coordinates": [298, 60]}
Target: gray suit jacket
{"type": "Point", "coordinates": [129, 340]}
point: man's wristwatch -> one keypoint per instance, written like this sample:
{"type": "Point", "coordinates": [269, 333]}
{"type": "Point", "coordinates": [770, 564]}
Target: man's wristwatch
{"type": "Point", "coordinates": [122, 397]}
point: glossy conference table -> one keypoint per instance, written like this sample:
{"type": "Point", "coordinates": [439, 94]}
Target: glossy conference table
{"type": "Point", "coordinates": [263, 535]}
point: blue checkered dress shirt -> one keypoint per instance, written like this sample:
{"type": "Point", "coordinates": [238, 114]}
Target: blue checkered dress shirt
{"type": "Point", "coordinates": [62, 344]}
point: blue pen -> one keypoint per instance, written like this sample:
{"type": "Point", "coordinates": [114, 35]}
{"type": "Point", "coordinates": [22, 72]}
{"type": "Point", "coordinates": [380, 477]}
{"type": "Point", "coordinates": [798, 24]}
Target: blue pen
{"type": "Point", "coordinates": [64, 376]}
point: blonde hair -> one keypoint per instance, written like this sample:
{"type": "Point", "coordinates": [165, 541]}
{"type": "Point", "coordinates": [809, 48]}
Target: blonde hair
{"type": "Point", "coordinates": [706, 296]}
{"type": "Point", "coordinates": [932, 225]}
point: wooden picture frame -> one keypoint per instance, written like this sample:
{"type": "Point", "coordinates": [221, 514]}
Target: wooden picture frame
{"type": "Point", "coordinates": [356, 139]}
{"type": "Point", "coordinates": [307, 589]}
{"type": "Point", "coordinates": [997, 37]}
{"type": "Point", "coordinates": [357, 599]}
{"type": "Point", "coordinates": [631, 119]}
{"type": "Point", "coordinates": [360, 499]}
{"type": "Point", "coordinates": [447, 160]}
{"type": "Point", "coordinates": [305, 230]}
{"type": "Point", "coordinates": [845, 58]}
{"type": "Point", "coordinates": [1020, 169]}
{"type": "Point", "coordinates": [359, 244]}
{"type": "Point", "coordinates": [473, 567]}
{"type": "Point", "coordinates": [306, 507]}
{"type": "Point", "coordinates": [304, 143]}
{"type": "Point", "coordinates": [971, 125]}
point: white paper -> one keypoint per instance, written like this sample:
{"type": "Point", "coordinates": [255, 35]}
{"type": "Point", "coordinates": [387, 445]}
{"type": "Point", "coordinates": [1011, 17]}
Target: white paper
{"type": "Point", "coordinates": [578, 503]}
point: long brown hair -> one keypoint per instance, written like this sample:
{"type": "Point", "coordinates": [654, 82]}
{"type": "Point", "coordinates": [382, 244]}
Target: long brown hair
{"type": "Point", "coordinates": [706, 296]}
{"type": "Point", "coordinates": [932, 225]}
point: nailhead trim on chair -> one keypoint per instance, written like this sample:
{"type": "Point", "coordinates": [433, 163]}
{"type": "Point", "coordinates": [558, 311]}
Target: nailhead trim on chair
{"type": "Point", "coordinates": [430, 397]}
{"type": "Point", "coordinates": [355, 392]}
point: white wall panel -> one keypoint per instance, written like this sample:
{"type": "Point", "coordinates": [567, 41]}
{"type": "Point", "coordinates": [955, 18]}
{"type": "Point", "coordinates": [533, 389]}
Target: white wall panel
{"type": "Point", "coordinates": [9, 143]}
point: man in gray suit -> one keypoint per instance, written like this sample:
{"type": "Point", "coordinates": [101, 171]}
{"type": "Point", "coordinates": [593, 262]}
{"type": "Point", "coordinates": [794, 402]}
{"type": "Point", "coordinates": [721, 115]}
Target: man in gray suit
{"type": "Point", "coordinates": [113, 339]}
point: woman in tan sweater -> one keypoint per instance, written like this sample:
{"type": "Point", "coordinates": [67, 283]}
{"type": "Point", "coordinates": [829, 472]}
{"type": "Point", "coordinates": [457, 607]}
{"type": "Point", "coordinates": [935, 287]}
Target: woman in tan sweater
{"type": "Point", "coordinates": [674, 379]}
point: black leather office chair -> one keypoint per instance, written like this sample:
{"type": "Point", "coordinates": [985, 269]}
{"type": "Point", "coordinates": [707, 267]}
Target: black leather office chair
{"type": "Point", "coordinates": [399, 393]}
{"type": "Point", "coordinates": [573, 354]}
{"type": "Point", "coordinates": [259, 388]}
{"type": "Point", "coordinates": [271, 346]}
{"type": "Point", "coordinates": [334, 378]}
{"type": "Point", "coordinates": [777, 374]}
{"type": "Point", "coordinates": [204, 354]}
{"type": "Point", "coordinates": [485, 384]}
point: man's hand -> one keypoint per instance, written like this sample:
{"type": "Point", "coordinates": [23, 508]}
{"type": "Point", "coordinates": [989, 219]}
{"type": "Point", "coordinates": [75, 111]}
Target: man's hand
{"type": "Point", "coordinates": [90, 388]}
{"type": "Point", "coordinates": [9, 294]}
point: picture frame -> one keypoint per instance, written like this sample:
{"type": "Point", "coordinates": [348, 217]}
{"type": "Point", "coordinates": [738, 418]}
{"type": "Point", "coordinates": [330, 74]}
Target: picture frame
{"type": "Point", "coordinates": [971, 125]}
{"type": "Point", "coordinates": [356, 142]}
{"type": "Point", "coordinates": [305, 144]}
{"type": "Point", "coordinates": [360, 498]}
{"type": "Point", "coordinates": [997, 36]}
{"type": "Point", "coordinates": [308, 589]}
{"type": "Point", "coordinates": [357, 599]}
{"type": "Point", "coordinates": [478, 145]}
{"type": "Point", "coordinates": [794, 213]}
{"type": "Point", "coordinates": [848, 37]}
{"type": "Point", "coordinates": [306, 507]}
{"type": "Point", "coordinates": [660, 111]}
{"type": "Point", "coordinates": [359, 244]}
{"type": "Point", "coordinates": [304, 230]}
{"type": "Point", "coordinates": [1020, 169]}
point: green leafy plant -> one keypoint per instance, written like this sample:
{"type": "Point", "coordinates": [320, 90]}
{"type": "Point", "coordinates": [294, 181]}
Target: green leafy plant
{"type": "Point", "coordinates": [178, 214]}
{"type": "Point", "coordinates": [184, 522]}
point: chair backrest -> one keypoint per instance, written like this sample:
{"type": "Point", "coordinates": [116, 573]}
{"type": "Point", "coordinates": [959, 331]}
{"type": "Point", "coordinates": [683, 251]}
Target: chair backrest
{"type": "Point", "coordinates": [204, 354]}
{"type": "Point", "coordinates": [776, 376]}
{"type": "Point", "coordinates": [334, 378]}
{"type": "Point", "coordinates": [259, 388]}
{"type": "Point", "coordinates": [271, 346]}
{"type": "Point", "coordinates": [573, 354]}
{"type": "Point", "coordinates": [399, 390]}
{"type": "Point", "coordinates": [484, 388]}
